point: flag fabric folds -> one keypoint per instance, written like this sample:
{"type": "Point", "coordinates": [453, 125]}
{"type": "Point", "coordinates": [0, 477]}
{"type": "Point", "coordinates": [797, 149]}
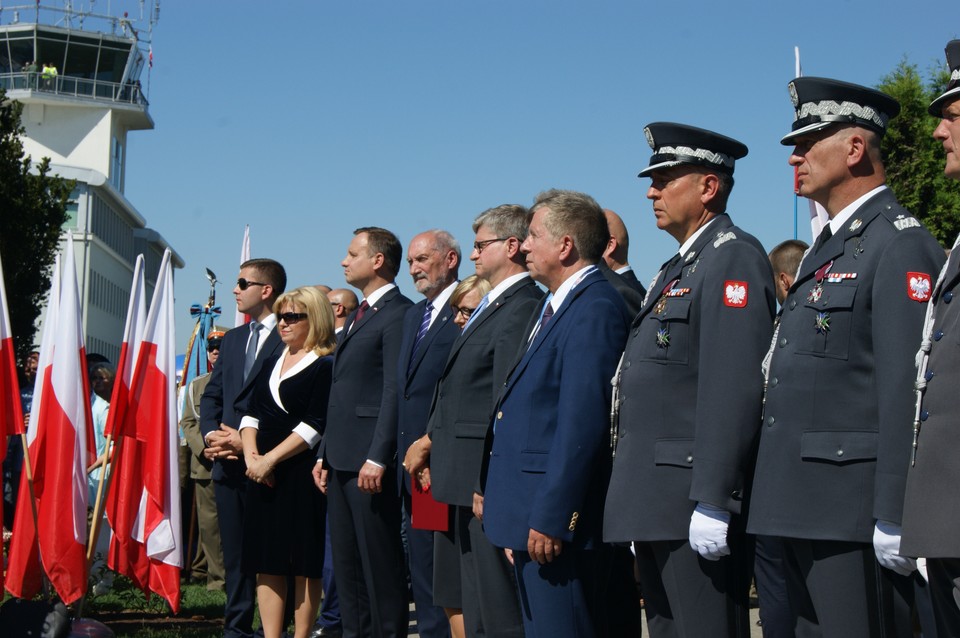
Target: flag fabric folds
{"type": "Point", "coordinates": [244, 256]}
{"type": "Point", "coordinates": [144, 498]}
{"type": "Point", "coordinates": [58, 453]}
{"type": "Point", "coordinates": [11, 414]}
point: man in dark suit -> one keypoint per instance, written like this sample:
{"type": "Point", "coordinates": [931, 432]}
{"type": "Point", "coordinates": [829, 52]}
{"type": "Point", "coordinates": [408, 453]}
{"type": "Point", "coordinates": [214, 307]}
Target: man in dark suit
{"type": "Point", "coordinates": [548, 469]}
{"type": "Point", "coordinates": [931, 509]}
{"type": "Point", "coordinates": [470, 573]}
{"type": "Point", "coordinates": [688, 395]}
{"type": "Point", "coordinates": [615, 266]}
{"type": "Point", "coordinates": [355, 462]}
{"type": "Point", "coordinates": [242, 353]}
{"type": "Point", "coordinates": [428, 333]}
{"type": "Point", "coordinates": [834, 444]}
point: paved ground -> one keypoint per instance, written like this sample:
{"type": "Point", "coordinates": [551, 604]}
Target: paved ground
{"type": "Point", "coordinates": [755, 631]}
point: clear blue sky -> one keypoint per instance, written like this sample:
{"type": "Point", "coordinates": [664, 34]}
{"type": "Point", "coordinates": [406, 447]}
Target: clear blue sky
{"type": "Point", "coordinates": [307, 119]}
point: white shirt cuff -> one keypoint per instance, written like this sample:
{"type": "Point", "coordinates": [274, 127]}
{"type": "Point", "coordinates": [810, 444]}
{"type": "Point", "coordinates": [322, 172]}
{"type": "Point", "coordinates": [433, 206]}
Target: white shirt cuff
{"type": "Point", "coordinates": [249, 422]}
{"type": "Point", "coordinates": [307, 433]}
{"type": "Point", "coordinates": [372, 462]}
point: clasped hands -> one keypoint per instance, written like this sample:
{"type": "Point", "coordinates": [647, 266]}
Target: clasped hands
{"type": "Point", "coordinates": [223, 444]}
{"type": "Point", "coordinates": [260, 468]}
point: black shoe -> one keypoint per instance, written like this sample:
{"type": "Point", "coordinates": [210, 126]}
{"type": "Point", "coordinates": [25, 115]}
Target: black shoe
{"type": "Point", "coordinates": [327, 632]}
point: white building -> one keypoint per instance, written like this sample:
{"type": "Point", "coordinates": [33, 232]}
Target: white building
{"type": "Point", "coordinates": [80, 119]}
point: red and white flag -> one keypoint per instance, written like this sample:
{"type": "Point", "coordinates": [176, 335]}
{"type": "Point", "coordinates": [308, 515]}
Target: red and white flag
{"type": "Point", "coordinates": [124, 556]}
{"type": "Point", "coordinates": [11, 412]}
{"type": "Point", "coordinates": [150, 445]}
{"type": "Point", "coordinates": [57, 448]}
{"type": "Point", "coordinates": [244, 257]}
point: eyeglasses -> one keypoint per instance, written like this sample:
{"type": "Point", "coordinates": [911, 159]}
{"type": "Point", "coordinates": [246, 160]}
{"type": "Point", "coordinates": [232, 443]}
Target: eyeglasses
{"type": "Point", "coordinates": [480, 245]}
{"type": "Point", "coordinates": [291, 318]}
{"type": "Point", "coordinates": [243, 284]}
{"type": "Point", "coordinates": [463, 311]}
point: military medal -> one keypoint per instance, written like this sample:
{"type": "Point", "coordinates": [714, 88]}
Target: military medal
{"type": "Point", "coordinates": [661, 305]}
{"type": "Point", "coordinates": [859, 249]}
{"type": "Point", "coordinates": [822, 323]}
{"type": "Point", "coordinates": [663, 338]}
{"type": "Point", "coordinates": [817, 291]}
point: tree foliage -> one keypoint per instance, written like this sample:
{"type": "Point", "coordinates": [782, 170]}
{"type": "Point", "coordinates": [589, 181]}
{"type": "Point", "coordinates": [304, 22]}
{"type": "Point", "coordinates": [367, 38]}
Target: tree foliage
{"type": "Point", "coordinates": [914, 161]}
{"type": "Point", "coordinates": [33, 207]}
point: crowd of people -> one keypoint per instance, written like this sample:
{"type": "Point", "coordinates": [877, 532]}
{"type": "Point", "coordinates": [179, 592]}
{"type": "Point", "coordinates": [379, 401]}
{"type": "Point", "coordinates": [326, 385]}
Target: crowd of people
{"type": "Point", "coordinates": [529, 450]}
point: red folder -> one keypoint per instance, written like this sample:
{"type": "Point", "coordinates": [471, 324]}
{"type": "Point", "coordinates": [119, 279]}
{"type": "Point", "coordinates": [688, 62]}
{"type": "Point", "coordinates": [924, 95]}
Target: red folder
{"type": "Point", "coordinates": [426, 513]}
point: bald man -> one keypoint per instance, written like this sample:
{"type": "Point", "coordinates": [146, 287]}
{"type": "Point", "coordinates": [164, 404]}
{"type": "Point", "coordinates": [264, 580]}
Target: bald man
{"type": "Point", "coordinates": [615, 267]}
{"type": "Point", "coordinates": [344, 301]}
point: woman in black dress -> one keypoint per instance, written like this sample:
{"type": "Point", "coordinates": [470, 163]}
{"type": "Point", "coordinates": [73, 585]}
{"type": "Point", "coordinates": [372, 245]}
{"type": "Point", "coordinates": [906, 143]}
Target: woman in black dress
{"type": "Point", "coordinates": [284, 516]}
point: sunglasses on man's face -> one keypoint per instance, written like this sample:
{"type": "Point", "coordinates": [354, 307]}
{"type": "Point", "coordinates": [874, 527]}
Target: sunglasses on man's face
{"type": "Point", "coordinates": [243, 284]}
{"type": "Point", "coordinates": [291, 318]}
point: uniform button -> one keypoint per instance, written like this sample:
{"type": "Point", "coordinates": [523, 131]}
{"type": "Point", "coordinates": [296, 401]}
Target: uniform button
{"type": "Point", "coordinates": [938, 336]}
{"type": "Point", "coordinates": [771, 420]}
{"type": "Point", "coordinates": [929, 375]}
{"type": "Point", "coordinates": [947, 296]}
{"type": "Point", "coordinates": [499, 415]}
{"type": "Point", "coordinates": [626, 365]}
{"type": "Point", "coordinates": [407, 397]}
{"type": "Point", "coordinates": [924, 415]}
{"type": "Point", "coordinates": [736, 494]}
{"type": "Point", "coordinates": [793, 304]}
{"type": "Point", "coordinates": [783, 342]}
{"type": "Point", "coordinates": [689, 458]}
{"type": "Point", "coordinates": [774, 381]}
{"type": "Point", "coordinates": [839, 452]}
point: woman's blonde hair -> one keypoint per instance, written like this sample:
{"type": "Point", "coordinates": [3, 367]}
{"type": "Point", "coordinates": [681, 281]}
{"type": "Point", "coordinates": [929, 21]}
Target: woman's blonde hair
{"type": "Point", "coordinates": [470, 283]}
{"type": "Point", "coordinates": [321, 337]}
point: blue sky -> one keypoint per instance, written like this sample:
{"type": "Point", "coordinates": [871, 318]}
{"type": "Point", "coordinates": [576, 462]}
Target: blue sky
{"type": "Point", "coordinates": [307, 119]}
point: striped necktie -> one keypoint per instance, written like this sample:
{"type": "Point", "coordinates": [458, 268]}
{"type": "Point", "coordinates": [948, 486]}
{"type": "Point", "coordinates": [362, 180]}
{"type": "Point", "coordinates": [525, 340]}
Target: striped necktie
{"type": "Point", "coordinates": [421, 333]}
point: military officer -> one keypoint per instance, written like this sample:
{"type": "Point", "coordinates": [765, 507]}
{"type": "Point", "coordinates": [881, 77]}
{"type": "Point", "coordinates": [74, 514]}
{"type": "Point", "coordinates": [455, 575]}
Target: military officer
{"type": "Point", "coordinates": [835, 437]}
{"type": "Point", "coordinates": [931, 509]}
{"type": "Point", "coordinates": [689, 394]}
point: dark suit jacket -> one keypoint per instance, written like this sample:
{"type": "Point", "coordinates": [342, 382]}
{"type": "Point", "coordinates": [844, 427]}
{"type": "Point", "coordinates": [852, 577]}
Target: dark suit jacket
{"type": "Point", "coordinates": [417, 386]}
{"type": "Point", "coordinates": [550, 462]}
{"type": "Point", "coordinates": [362, 415]}
{"type": "Point", "coordinates": [836, 435]}
{"type": "Point", "coordinates": [931, 508]}
{"type": "Point", "coordinates": [627, 285]}
{"type": "Point", "coordinates": [691, 388]}
{"type": "Point", "coordinates": [468, 388]}
{"type": "Point", "coordinates": [226, 392]}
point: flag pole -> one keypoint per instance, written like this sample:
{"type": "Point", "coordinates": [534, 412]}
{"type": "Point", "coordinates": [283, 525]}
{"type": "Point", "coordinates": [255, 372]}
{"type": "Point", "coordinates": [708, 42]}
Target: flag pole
{"type": "Point", "coordinates": [33, 510]}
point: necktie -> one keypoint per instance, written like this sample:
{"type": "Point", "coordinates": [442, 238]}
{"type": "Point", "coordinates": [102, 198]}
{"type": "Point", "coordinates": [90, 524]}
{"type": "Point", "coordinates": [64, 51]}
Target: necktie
{"type": "Point", "coordinates": [823, 237]}
{"type": "Point", "coordinates": [476, 313]}
{"type": "Point", "coordinates": [544, 318]}
{"type": "Point", "coordinates": [364, 306]}
{"type": "Point", "coordinates": [421, 333]}
{"type": "Point", "coordinates": [251, 354]}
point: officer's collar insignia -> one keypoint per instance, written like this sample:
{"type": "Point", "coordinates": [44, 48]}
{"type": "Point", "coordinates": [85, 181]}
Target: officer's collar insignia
{"type": "Point", "coordinates": [857, 223]}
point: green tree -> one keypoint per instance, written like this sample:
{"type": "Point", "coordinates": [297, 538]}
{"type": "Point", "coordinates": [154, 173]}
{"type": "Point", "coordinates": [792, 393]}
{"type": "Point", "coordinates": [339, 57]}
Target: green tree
{"type": "Point", "coordinates": [914, 160]}
{"type": "Point", "coordinates": [33, 207]}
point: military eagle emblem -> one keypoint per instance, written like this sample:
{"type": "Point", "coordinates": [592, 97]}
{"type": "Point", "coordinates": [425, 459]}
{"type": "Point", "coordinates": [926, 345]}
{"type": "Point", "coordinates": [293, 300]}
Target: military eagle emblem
{"type": "Point", "coordinates": [918, 286]}
{"type": "Point", "coordinates": [735, 294]}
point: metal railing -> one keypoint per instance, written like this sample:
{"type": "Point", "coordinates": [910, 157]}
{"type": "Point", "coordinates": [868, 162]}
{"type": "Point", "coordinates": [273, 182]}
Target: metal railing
{"type": "Point", "coordinates": [74, 87]}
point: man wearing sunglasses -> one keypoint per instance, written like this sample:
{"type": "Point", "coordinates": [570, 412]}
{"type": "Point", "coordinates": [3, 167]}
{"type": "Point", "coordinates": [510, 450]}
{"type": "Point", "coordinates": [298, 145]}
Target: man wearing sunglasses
{"type": "Point", "coordinates": [242, 353]}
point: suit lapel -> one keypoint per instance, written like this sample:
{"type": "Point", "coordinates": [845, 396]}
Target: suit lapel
{"type": "Point", "coordinates": [446, 315]}
{"type": "Point", "coordinates": [270, 346]}
{"type": "Point", "coordinates": [353, 326]}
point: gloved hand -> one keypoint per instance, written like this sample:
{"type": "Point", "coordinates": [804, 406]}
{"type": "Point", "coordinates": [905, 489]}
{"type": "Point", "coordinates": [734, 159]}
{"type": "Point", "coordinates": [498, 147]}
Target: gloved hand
{"type": "Point", "coordinates": [708, 531]}
{"type": "Point", "coordinates": [886, 545]}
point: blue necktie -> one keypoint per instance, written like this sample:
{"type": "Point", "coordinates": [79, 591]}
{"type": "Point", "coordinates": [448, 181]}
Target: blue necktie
{"type": "Point", "coordinates": [421, 333]}
{"type": "Point", "coordinates": [476, 313]}
{"type": "Point", "coordinates": [251, 354]}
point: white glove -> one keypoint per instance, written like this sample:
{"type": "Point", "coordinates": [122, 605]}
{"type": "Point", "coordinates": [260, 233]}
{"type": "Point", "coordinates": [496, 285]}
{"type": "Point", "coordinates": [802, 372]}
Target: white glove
{"type": "Point", "coordinates": [708, 531]}
{"type": "Point", "coordinates": [886, 545]}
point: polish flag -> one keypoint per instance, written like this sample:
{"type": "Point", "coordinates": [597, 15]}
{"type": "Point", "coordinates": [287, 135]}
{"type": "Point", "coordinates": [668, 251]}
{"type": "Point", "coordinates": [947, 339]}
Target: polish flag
{"type": "Point", "coordinates": [241, 318]}
{"type": "Point", "coordinates": [60, 427]}
{"type": "Point", "coordinates": [126, 557]}
{"type": "Point", "coordinates": [150, 445]}
{"type": "Point", "coordinates": [11, 414]}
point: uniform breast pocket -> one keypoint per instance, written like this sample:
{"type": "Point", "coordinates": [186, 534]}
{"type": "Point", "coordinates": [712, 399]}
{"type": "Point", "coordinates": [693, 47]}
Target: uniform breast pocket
{"type": "Point", "coordinates": [826, 325]}
{"type": "Point", "coordinates": [664, 334]}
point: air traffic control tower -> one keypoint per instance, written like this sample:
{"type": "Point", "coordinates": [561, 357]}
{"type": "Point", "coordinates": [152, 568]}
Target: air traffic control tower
{"type": "Point", "coordinates": [80, 118]}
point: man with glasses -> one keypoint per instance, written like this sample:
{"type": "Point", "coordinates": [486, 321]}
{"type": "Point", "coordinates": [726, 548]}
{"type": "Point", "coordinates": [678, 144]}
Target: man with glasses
{"type": "Point", "coordinates": [242, 353]}
{"type": "Point", "coordinates": [470, 573]}
{"type": "Point", "coordinates": [428, 332]}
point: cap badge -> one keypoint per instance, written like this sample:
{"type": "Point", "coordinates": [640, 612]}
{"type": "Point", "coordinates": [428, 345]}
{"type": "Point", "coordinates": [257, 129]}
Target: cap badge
{"type": "Point", "coordinates": [793, 95]}
{"type": "Point", "coordinates": [649, 136]}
